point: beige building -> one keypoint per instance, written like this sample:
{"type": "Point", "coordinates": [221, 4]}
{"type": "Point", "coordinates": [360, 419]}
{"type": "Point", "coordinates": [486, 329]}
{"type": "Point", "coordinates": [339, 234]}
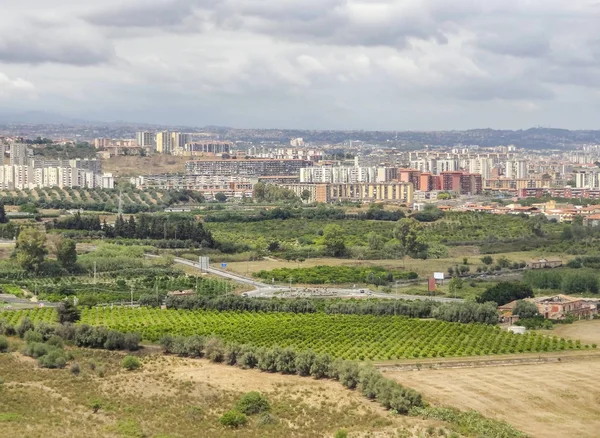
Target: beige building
{"type": "Point", "coordinates": [163, 142]}
{"type": "Point", "coordinates": [394, 192]}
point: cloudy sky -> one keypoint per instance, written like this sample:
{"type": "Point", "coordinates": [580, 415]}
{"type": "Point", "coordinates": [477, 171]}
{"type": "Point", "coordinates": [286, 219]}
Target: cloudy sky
{"type": "Point", "coordinates": [323, 64]}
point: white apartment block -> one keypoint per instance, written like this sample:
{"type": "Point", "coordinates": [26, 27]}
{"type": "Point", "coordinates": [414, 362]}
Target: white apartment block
{"type": "Point", "coordinates": [339, 174]}
{"type": "Point", "coordinates": [587, 178]}
{"type": "Point", "coordinates": [30, 177]}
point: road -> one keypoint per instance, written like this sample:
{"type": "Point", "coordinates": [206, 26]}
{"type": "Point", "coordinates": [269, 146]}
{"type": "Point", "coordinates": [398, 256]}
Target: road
{"type": "Point", "coordinates": [20, 303]}
{"type": "Point", "coordinates": [264, 290]}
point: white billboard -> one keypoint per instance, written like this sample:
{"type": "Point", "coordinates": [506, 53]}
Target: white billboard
{"type": "Point", "coordinates": [438, 275]}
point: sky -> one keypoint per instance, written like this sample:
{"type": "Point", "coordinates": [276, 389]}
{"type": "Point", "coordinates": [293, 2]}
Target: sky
{"type": "Point", "coordinates": [310, 64]}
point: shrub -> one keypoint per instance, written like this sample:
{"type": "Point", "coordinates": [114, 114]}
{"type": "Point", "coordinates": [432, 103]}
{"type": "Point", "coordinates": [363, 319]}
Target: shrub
{"type": "Point", "coordinates": [266, 419]}
{"type": "Point", "coordinates": [3, 344]}
{"type": "Point", "coordinates": [267, 359]}
{"type": "Point", "coordinates": [55, 341]}
{"type": "Point", "coordinates": [114, 340]}
{"type": "Point", "coordinates": [232, 354]}
{"type": "Point", "coordinates": [247, 358]}
{"type": "Point", "coordinates": [24, 327]}
{"type": "Point", "coordinates": [75, 369]}
{"type": "Point", "coordinates": [252, 403]}
{"type": "Point", "coordinates": [7, 329]}
{"type": "Point", "coordinates": [31, 336]}
{"type": "Point", "coordinates": [131, 363]}
{"type": "Point", "coordinates": [131, 341]}
{"type": "Point", "coordinates": [286, 361]}
{"type": "Point", "coordinates": [304, 362]}
{"type": "Point", "coordinates": [214, 350]}
{"type": "Point", "coordinates": [54, 359]}
{"type": "Point", "coordinates": [347, 373]}
{"type": "Point", "coordinates": [341, 433]}
{"type": "Point", "coordinates": [233, 419]}
{"type": "Point", "coordinates": [320, 367]}
{"type": "Point", "coordinates": [194, 346]}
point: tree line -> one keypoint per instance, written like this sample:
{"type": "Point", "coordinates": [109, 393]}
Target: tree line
{"type": "Point", "coordinates": [452, 312]}
{"type": "Point", "coordinates": [364, 377]}
{"type": "Point", "coordinates": [155, 227]}
{"type": "Point", "coordinates": [320, 213]}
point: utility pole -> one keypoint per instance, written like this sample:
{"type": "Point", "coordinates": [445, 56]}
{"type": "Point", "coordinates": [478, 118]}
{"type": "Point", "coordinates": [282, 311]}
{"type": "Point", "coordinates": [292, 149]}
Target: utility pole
{"type": "Point", "coordinates": [396, 302]}
{"type": "Point", "coordinates": [290, 284]}
{"type": "Point", "coordinates": [156, 287]}
{"type": "Point", "coordinates": [132, 295]}
{"type": "Point", "coordinates": [94, 271]}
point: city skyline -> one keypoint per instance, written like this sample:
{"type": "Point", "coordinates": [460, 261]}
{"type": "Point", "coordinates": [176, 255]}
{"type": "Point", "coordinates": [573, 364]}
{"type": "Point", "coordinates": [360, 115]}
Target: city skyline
{"type": "Point", "coordinates": [334, 64]}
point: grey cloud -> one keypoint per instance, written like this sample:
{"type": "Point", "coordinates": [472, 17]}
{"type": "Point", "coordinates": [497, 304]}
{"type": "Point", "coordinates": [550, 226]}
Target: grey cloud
{"type": "Point", "coordinates": [166, 14]}
{"type": "Point", "coordinates": [65, 40]}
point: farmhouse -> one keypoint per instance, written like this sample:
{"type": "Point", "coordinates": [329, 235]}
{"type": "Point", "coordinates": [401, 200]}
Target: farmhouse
{"type": "Point", "coordinates": [544, 263]}
{"type": "Point", "coordinates": [555, 307]}
{"type": "Point", "coordinates": [559, 306]}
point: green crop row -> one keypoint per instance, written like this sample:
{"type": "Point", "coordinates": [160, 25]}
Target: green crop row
{"type": "Point", "coordinates": [363, 337]}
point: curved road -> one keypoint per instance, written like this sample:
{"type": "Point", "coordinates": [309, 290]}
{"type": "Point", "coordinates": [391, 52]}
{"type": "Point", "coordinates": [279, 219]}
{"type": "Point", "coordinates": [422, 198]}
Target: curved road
{"type": "Point", "coordinates": [264, 290]}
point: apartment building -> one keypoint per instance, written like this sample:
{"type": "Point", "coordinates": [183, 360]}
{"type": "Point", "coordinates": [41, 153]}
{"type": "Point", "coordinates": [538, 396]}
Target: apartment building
{"type": "Point", "coordinates": [204, 148]}
{"type": "Point", "coordinates": [251, 167]}
{"type": "Point", "coordinates": [20, 154]}
{"type": "Point", "coordinates": [337, 174]}
{"type": "Point", "coordinates": [146, 139]}
{"type": "Point", "coordinates": [462, 183]}
{"type": "Point", "coordinates": [393, 192]}
{"type": "Point", "coordinates": [163, 142]}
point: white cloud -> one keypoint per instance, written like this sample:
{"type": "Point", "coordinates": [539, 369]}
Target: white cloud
{"type": "Point", "coordinates": [15, 88]}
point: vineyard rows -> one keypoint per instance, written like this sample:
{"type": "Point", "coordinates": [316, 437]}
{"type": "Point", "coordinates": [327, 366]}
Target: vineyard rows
{"type": "Point", "coordinates": [347, 336]}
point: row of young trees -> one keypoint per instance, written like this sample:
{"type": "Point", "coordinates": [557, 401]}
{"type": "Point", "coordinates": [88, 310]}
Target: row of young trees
{"type": "Point", "coordinates": [364, 377]}
{"type": "Point", "coordinates": [452, 312]}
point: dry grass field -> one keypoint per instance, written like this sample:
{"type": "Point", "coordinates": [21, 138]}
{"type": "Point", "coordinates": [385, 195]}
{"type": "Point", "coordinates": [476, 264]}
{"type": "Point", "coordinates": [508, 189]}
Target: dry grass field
{"type": "Point", "coordinates": [546, 400]}
{"type": "Point", "coordinates": [175, 397]}
{"type": "Point", "coordinates": [424, 268]}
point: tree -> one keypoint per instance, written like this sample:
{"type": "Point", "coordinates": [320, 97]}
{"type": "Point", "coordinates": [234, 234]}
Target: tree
{"type": "Point", "coordinates": [455, 285]}
{"type": "Point", "coordinates": [31, 249]}
{"type": "Point", "coordinates": [67, 312]}
{"type": "Point", "coordinates": [505, 292]}
{"type": "Point", "coordinates": [221, 197]}
{"type": "Point", "coordinates": [333, 239]}
{"type": "Point", "coordinates": [376, 242]}
{"type": "Point", "coordinates": [3, 218]}
{"type": "Point", "coordinates": [66, 253]}
{"type": "Point", "coordinates": [525, 309]}
{"type": "Point", "coordinates": [487, 260]}
{"type": "Point", "coordinates": [409, 233]}
{"type": "Point", "coordinates": [28, 208]}
{"type": "Point", "coordinates": [305, 196]}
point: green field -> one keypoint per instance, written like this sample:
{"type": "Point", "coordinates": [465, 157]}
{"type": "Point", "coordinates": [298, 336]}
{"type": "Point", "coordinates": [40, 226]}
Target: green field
{"type": "Point", "coordinates": [363, 337]}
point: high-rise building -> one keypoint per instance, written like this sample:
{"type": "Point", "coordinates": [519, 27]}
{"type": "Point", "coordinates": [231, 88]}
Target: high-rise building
{"type": "Point", "coordinates": [146, 139]}
{"type": "Point", "coordinates": [19, 154]}
{"type": "Point", "coordinates": [178, 140]}
{"type": "Point", "coordinates": [163, 142]}
{"type": "Point", "coordinates": [521, 166]}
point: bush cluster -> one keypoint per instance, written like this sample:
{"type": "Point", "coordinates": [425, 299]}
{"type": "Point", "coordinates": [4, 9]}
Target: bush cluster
{"type": "Point", "coordinates": [365, 377]}
{"type": "Point", "coordinates": [81, 335]}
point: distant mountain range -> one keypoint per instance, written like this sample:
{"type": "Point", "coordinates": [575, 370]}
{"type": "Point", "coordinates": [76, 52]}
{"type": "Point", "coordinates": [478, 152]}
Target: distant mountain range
{"type": "Point", "coordinates": [533, 138]}
{"type": "Point", "coordinates": [40, 118]}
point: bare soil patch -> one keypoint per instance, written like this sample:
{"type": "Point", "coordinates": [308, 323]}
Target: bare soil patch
{"type": "Point", "coordinates": [547, 400]}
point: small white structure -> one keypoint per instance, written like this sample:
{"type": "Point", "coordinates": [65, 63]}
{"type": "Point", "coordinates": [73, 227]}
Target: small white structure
{"type": "Point", "coordinates": [519, 330]}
